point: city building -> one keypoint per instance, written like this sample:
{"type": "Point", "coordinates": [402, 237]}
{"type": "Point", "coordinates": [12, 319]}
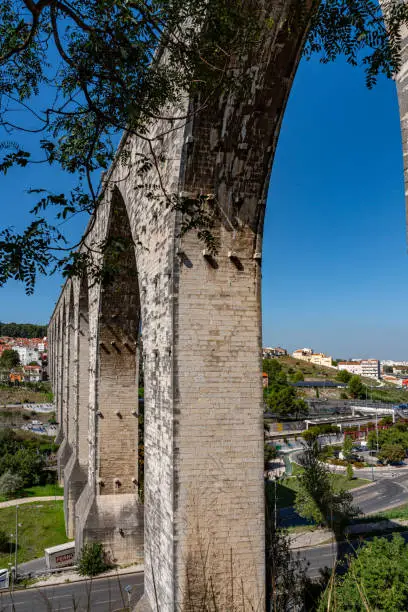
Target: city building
{"type": "Point", "coordinates": [354, 367]}
{"type": "Point", "coordinates": [265, 379]}
{"type": "Point", "coordinates": [26, 373]}
{"type": "Point", "coordinates": [307, 354]}
{"type": "Point", "coordinates": [303, 353]}
{"type": "Point", "coordinates": [370, 368]}
{"type": "Point", "coordinates": [321, 359]}
{"type": "Point", "coordinates": [27, 354]}
{"type": "Point", "coordinates": [269, 352]}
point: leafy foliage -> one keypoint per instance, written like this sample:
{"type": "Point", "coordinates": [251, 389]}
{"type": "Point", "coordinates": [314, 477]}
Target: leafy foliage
{"type": "Point", "coordinates": [102, 60]}
{"type": "Point", "coordinates": [343, 376]}
{"type": "Point", "coordinates": [10, 483]}
{"type": "Point", "coordinates": [355, 388]}
{"type": "Point", "coordinates": [280, 397]}
{"type": "Point", "coordinates": [347, 446]}
{"type": "Point", "coordinates": [23, 330]}
{"type": "Point", "coordinates": [311, 435]}
{"type": "Point", "coordinates": [4, 541]}
{"type": "Point", "coordinates": [286, 581]}
{"type": "Point", "coordinates": [356, 29]}
{"type": "Point", "coordinates": [395, 435]}
{"type": "Point", "coordinates": [377, 579]}
{"type": "Point", "coordinates": [91, 560]}
{"type": "Point", "coordinates": [9, 359]}
{"type": "Point", "coordinates": [270, 453]}
{"type": "Point", "coordinates": [25, 458]}
{"type": "Point", "coordinates": [316, 497]}
{"type": "Point", "coordinates": [392, 453]}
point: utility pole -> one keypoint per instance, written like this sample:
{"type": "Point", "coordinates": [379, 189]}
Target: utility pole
{"type": "Point", "coordinates": [15, 552]}
{"type": "Point", "coordinates": [376, 426]}
{"type": "Point", "coordinates": [275, 518]}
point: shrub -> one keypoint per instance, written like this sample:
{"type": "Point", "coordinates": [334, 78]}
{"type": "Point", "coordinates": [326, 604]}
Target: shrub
{"type": "Point", "coordinates": [10, 483]}
{"type": "Point", "coordinates": [91, 560]}
{"type": "Point", "coordinates": [349, 472]}
{"type": "Point", "coordinates": [4, 541]}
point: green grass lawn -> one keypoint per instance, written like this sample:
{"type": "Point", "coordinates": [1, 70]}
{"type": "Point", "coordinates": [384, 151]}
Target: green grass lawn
{"type": "Point", "coordinates": [42, 525]}
{"type": "Point", "coordinates": [286, 489]}
{"type": "Point", "coordinates": [48, 490]}
{"type": "Point", "coordinates": [400, 512]}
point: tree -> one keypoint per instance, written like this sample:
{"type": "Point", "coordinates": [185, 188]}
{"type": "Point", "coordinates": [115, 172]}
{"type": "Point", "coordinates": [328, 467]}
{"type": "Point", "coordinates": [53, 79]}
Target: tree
{"type": "Point", "coordinates": [283, 400]}
{"type": "Point", "coordinates": [273, 369]}
{"type": "Point", "coordinates": [343, 376]}
{"type": "Point", "coordinates": [96, 54]}
{"type": "Point", "coordinates": [347, 447]}
{"type": "Point", "coordinates": [298, 376]}
{"type": "Point", "coordinates": [377, 579]}
{"type": "Point", "coordinates": [388, 369]}
{"type": "Point", "coordinates": [22, 330]}
{"type": "Point", "coordinates": [356, 388]}
{"type": "Point", "coordinates": [24, 461]}
{"type": "Point", "coordinates": [392, 453]}
{"type": "Point", "coordinates": [285, 575]}
{"type": "Point", "coordinates": [9, 359]}
{"type": "Point", "coordinates": [397, 434]}
{"type": "Point", "coordinates": [317, 498]}
{"type": "Point", "coordinates": [10, 483]}
{"type": "Point", "coordinates": [270, 453]}
{"type": "Point", "coordinates": [349, 472]}
{"type": "Point", "coordinates": [386, 420]}
{"type": "Point", "coordinates": [4, 542]}
{"type": "Point", "coordinates": [91, 560]}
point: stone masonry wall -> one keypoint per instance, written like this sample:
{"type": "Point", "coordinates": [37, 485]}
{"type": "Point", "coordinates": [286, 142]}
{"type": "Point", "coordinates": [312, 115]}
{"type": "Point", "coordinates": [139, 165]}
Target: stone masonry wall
{"type": "Point", "coordinates": [201, 328]}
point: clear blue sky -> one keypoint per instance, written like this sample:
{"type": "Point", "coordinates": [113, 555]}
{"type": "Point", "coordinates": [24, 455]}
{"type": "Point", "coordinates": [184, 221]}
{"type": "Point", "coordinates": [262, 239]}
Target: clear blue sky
{"type": "Point", "coordinates": [335, 263]}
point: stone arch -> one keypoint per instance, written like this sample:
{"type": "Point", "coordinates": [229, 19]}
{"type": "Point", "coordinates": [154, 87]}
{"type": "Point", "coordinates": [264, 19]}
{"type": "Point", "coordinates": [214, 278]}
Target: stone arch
{"type": "Point", "coordinates": [76, 470]}
{"type": "Point", "coordinates": [83, 374]}
{"type": "Point", "coordinates": [68, 381]}
{"type": "Point", "coordinates": [59, 383]}
{"type": "Point", "coordinates": [111, 501]}
{"type": "Point", "coordinates": [119, 322]}
{"type": "Point", "coordinates": [202, 341]}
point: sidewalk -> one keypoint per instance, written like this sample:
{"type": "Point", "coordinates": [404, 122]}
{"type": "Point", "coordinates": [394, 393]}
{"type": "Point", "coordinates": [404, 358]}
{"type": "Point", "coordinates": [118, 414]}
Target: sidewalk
{"type": "Point", "coordinates": [73, 576]}
{"type": "Point", "coordinates": [29, 500]}
{"type": "Point", "coordinates": [308, 539]}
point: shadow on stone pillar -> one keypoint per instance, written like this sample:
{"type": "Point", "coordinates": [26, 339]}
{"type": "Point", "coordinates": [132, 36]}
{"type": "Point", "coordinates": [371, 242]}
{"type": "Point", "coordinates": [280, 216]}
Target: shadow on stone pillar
{"type": "Point", "coordinates": [117, 521]}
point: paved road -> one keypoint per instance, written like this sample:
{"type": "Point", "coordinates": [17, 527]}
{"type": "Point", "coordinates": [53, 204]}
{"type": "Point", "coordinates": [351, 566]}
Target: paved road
{"type": "Point", "coordinates": [32, 567]}
{"type": "Point", "coordinates": [390, 489]}
{"type": "Point", "coordinates": [321, 558]}
{"type": "Point", "coordinates": [102, 595]}
{"type": "Point", "coordinates": [382, 494]}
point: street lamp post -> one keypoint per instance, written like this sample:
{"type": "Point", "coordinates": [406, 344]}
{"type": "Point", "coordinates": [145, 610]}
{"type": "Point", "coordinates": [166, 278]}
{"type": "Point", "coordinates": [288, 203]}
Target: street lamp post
{"type": "Point", "coordinates": [15, 552]}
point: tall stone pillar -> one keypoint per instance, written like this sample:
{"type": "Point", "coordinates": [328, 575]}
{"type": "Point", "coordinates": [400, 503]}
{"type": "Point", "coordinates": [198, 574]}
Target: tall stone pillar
{"type": "Point", "coordinates": [68, 399]}
{"type": "Point", "coordinates": [59, 383]}
{"type": "Point", "coordinates": [76, 471]}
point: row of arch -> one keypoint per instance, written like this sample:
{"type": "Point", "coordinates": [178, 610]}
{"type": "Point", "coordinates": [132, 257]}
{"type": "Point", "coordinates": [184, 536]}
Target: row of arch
{"type": "Point", "coordinates": [98, 428]}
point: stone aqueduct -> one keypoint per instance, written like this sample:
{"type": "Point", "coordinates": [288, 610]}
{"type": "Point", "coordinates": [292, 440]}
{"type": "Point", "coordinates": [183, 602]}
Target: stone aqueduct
{"type": "Point", "coordinates": [202, 522]}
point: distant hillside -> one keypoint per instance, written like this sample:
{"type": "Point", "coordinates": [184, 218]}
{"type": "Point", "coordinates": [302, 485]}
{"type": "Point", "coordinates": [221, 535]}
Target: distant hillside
{"type": "Point", "coordinates": [314, 372]}
{"type": "Point", "coordinates": [23, 330]}
{"type": "Point", "coordinates": [309, 370]}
